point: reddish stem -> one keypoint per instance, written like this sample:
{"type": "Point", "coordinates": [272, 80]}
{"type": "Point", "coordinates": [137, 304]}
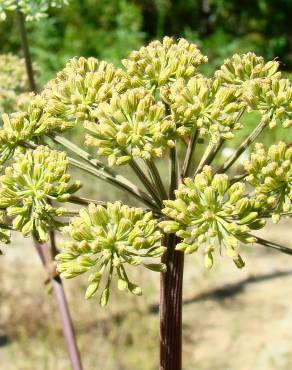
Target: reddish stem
{"type": "Point", "coordinates": [171, 308]}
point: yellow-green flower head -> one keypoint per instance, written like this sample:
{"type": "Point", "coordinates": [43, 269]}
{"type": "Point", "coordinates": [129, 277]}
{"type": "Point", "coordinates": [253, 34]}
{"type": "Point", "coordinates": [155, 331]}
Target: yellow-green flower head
{"type": "Point", "coordinates": [32, 9]}
{"type": "Point", "coordinates": [81, 86]}
{"type": "Point", "coordinates": [105, 241]}
{"type": "Point", "coordinates": [208, 210]}
{"type": "Point", "coordinates": [246, 67]}
{"type": "Point", "coordinates": [27, 125]}
{"type": "Point", "coordinates": [161, 63]}
{"type": "Point", "coordinates": [270, 172]}
{"type": "Point", "coordinates": [272, 98]}
{"type": "Point", "coordinates": [27, 188]}
{"type": "Point", "coordinates": [130, 125]}
{"type": "Point", "coordinates": [13, 81]}
{"type": "Point", "coordinates": [203, 104]}
{"type": "Point", "coordinates": [12, 73]}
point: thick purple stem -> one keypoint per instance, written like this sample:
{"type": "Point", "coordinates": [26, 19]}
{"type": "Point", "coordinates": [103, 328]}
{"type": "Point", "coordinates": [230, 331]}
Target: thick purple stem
{"type": "Point", "coordinates": [171, 308]}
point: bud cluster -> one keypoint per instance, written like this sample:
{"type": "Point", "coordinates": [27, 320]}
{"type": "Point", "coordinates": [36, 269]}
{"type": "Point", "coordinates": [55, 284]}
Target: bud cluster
{"type": "Point", "coordinates": [105, 239]}
{"type": "Point", "coordinates": [272, 98]}
{"type": "Point", "coordinates": [32, 9]}
{"type": "Point", "coordinates": [25, 125]}
{"type": "Point", "coordinates": [246, 67]}
{"type": "Point", "coordinates": [161, 63]}
{"type": "Point", "coordinates": [81, 86]}
{"type": "Point", "coordinates": [205, 105]}
{"type": "Point", "coordinates": [131, 124]}
{"type": "Point", "coordinates": [208, 210]}
{"type": "Point", "coordinates": [13, 81]}
{"type": "Point", "coordinates": [270, 172]}
{"type": "Point", "coordinates": [35, 179]}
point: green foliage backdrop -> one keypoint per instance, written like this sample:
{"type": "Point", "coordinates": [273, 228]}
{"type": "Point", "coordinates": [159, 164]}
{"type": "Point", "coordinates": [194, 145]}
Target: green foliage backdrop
{"type": "Point", "coordinates": [110, 29]}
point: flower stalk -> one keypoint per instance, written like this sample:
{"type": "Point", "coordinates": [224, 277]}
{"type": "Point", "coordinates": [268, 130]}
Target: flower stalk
{"type": "Point", "coordinates": [171, 283]}
{"type": "Point", "coordinates": [47, 252]}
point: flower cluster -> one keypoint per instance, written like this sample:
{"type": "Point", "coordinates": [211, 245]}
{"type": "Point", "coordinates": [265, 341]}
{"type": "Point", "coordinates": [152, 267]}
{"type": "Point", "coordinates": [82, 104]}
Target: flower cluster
{"type": "Point", "coordinates": [246, 67]}
{"type": "Point", "coordinates": [204, 104]}
{"type": "Point", "coordinates": [131, 124]}
{"type": "Point", "coordinates": [31, 123]}
{"type": "Point", "coordinates": [13, 81]}
{"type": "Point", "coordinates": [272, 98]}
{"type": "Point", "coordinates": [32, 9]}
{"type": "Point", "coordinates": [161, 63]}
{"type": "Point", "coordinates": [105, 239]}
{"type": "Point", "coordinates": [208, 210]}
{"type": "Point", "coordinates": [81, 86]}
{"type": "Point", "coordinates": [270, 172]}
{"type": "Point", "coordinates": [35, 179]}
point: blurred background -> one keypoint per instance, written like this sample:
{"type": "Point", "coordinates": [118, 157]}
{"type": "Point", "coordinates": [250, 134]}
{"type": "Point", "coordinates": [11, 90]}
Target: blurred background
{"type": "Point", "coordinates": [233, 319]}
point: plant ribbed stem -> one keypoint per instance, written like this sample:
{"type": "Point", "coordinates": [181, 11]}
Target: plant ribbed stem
{"type": "Point", "coordinates": [26, 51]}
{"type": "Point", "coordinates": [171, 307]}
{"type": "Point", "coordinates": [171, 283]}
{"type": "Point", "coordinates": [47, 253]}
{"type": "Point", "coordinates": [243, 146]}
{"type": "Point", "coordinates": [47, 257]}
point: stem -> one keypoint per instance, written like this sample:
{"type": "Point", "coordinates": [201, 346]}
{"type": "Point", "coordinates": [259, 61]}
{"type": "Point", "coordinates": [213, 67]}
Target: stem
{"type": "Point", "coordinates": [103, 172]}
{"type": "Point", "coordinates": [47, 258]}
{"type": "Point", "coordinates": [171, 283]}
{"type": "Point", "coordinates": [47, 254]}
{"type": "Point", "coordinates": [134, 190]}
{"type": "Point", "coordinates": [209, 155]}
{"type": "Point", "coordinates": [157, 178]}
{"type": "Point", "coordinates": [189, 153]}
{"type": "Point", "coordinates": [242, 147]}
{"type": "Point", "coordinates": [269, 244]}
{"type": "Point", "coordinates": [145, 181]}
{"type": "Point", "coordinates": [171, 307]}
{"type": "Point", "coordinates": [238, 178]}
{"type": "Point", "coordinates": [26, 51]}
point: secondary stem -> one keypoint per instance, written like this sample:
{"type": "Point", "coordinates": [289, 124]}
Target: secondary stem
{"type": "Point", "coordinates": [48, 253]}
{"type": "Point", "coordinates": [145, 181]}
{"type": "Point", "coordinates": [189, 153]}
{"type": "Point", "coordinates": [171, 293]}
{"type": "Point", "coordinates": [242, 147]}
{"type": "Point", "coordinates": [47, 257]}
{"type": "Point", "coordinates": [26, 51]}
{"type": "Point", "coordinates": [135, 191]}
{"type": "Point", "coordinates": [100, 170]}
{"type": "Point", "coordinates": [157, 178]}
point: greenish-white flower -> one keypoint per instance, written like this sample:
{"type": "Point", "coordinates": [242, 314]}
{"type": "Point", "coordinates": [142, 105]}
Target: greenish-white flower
{"type": "Point", "coordinates": [105, 241]}
{"type": "Point", "coordinates": [27, 125]}
{"type": "Point", "coordinates": [30, 185]}
{"type": "Point", "coordinates": [81, 86]}
{"type": "Point", "coordinates": [131, 124]}
{"type": "Point", "coordinates": [246, 67]}
{"type": "Point", "coordinates": [208, 211]}
{"type": "Point", "coordinates": [205, 105]}
{"type": "Point", "coordinates": [270, 172]}
{"type": "Point", "coordinates": [272, 98]}
{"type": "Point", "coordinates": [161, 63]}
{"type": "Point", "coordinates": [32, 9]}
{"type": "Point", "coordinates": [13, 81]}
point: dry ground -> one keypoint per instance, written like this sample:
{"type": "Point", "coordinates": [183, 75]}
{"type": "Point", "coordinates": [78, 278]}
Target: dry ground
{"type": "Point", "coordinates": [233, 319]}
